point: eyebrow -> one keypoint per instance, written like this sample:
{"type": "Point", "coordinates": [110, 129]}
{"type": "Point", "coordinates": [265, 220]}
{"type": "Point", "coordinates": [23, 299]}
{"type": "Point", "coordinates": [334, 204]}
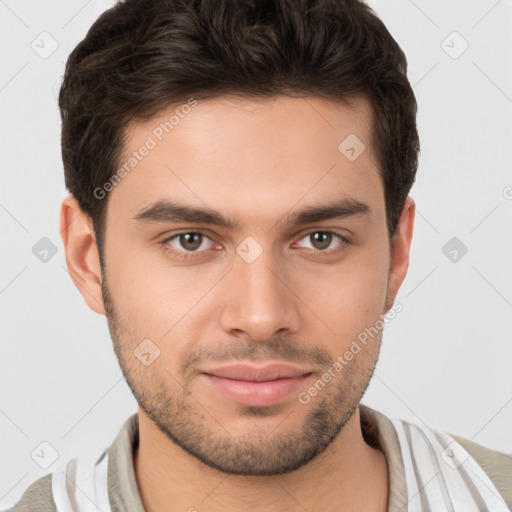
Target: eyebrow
{"type": "Point", "coordinates": [172, 211]}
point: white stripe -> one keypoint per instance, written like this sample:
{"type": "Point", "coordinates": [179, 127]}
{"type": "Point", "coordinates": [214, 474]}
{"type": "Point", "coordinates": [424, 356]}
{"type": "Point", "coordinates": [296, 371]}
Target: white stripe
{"type": "Point", "coordinates": [428, 473]}
{"type": "Point", "coordinates": [478, 476]}
{"type": "Point", "coordinates": [451, 475]}
{"type": "Point", "coordinates": [101, 484]}
{"type": "Point", "coordinates": [434, 457]}
{"type": "Point", "coordinates": [438, 458]}
{"type": "Point", "coordinates": [410, 479]}
{"type": "Point", "coordinates": [82, 486]}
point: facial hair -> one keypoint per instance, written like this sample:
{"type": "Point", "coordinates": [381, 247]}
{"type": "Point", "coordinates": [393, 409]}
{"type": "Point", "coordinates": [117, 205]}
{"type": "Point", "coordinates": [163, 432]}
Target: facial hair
{"type": "Point", "coordinates": [186, 421]}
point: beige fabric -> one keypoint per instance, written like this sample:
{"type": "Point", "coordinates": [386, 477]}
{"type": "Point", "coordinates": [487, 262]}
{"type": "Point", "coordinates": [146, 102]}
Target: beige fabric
{"type": "Point", "coordinates": [377, 429]}
{"type": "Point", "coordinates": [123, 492]}
{"type": "Point", "coordinates": [496, 464]}
{"type": "Point", "coordinates": [37, 497]}
{"type": "Point", "coordinates": [379, 432]}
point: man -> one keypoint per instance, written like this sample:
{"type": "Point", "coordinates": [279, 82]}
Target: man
{"type": "Point", "coordinates": [239, 176]}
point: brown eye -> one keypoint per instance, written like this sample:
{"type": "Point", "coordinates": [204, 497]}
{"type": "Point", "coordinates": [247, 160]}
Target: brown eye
{"type": "Point", "coordinates": [321, 239]}
{"type": "Point", "coordinates": [187, 243]}
{"type": "Point", "coordinates": [323, 243]}
{"type": "Point", "coordinates": [190, 241]}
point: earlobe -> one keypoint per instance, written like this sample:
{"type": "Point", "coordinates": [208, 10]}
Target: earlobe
{"type": "Point", "coordinates": [401, 245]}
{"type": "Point", "coordinates": [82, 259]}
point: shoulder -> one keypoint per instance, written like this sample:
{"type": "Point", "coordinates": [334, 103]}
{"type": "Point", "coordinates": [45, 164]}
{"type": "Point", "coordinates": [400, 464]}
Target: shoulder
{"type": "Point", "coordinates": [37, 497]}
{"type": "Point", "coordinates": [497, 465]}
{"type": "Point", "coordinates": [404, 445]}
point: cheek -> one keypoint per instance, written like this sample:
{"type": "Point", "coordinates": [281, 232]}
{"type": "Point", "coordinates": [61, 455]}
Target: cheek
{"type": "Point", "coordinates": [140, 294]}
{"type": "Point", "coordinates": [157, 299]}
{"type": "Point", "coordinates": [346, 298]}
{"type": "Point", "coordinates": [154, 299]}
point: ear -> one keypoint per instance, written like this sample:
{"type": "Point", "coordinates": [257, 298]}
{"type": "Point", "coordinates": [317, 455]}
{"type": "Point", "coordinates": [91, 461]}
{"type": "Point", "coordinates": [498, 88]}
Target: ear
{"type": "Point", "coordinates": [401, 244]}
{"type": "Point", "coordinates": [82, 258]}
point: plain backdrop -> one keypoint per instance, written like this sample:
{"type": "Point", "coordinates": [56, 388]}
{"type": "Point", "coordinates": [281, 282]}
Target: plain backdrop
{"type": "Point", "coordinates": [446, 358]}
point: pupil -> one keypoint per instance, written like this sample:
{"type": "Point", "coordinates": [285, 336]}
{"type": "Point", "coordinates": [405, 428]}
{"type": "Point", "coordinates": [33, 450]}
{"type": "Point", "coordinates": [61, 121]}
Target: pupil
{"type": "Point", "coordinates": [322, 240]}
{"type": "Point", "coordinates": [189, 243]}
{"type": "Point", "coordinates": [325, 239]}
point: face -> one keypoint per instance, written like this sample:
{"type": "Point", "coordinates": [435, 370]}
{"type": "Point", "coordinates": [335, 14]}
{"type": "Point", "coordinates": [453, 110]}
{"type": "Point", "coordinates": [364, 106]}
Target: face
{"type": "Point", "coordinates": [287, 262]}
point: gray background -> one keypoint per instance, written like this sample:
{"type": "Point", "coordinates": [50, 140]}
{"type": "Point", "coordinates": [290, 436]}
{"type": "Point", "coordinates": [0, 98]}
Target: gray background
{"type": "Point", "coordinates": [446, 357]}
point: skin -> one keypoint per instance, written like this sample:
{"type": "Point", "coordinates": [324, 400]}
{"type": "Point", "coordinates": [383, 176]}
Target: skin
{"type": "Point", "coordinates": [258, 162]}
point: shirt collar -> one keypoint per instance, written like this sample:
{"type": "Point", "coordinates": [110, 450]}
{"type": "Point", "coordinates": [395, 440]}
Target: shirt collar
{"type": "Point", "coordinates": [123, 490]}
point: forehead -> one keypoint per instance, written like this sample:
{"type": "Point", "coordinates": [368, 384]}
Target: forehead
{"type": "Point", "coordinates": [253, 157]}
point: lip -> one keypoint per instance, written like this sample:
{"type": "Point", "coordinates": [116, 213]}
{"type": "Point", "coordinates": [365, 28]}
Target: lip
{"type": "Point", "coordinates": [256, 386]}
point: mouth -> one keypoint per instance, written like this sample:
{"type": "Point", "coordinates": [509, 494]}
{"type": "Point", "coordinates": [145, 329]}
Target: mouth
{"type": "Point", "coordinates": [256, 386]}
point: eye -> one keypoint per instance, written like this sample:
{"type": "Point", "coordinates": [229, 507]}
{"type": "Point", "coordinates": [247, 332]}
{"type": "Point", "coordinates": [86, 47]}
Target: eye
{"type": "Point", "coordinates": [322, 240]}
{"type": "Point", "coordinates": [189, 244]}
{"type": "Point", "coordinates": [180, 244]}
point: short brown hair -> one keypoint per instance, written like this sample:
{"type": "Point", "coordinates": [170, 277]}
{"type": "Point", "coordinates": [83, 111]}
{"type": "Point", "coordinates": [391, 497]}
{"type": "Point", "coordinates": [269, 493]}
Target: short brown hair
{"type": "Point", "coordinates": [143, 55]}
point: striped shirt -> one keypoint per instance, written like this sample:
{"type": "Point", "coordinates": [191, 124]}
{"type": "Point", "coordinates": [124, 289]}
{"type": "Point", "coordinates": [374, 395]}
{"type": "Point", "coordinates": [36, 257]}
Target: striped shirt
{"type": "Point", "coordinates": [429, 471]}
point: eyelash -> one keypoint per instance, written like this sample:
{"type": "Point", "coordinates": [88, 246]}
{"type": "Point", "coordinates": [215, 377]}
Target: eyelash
{"type": "Point", "coordinates": [186, 255]}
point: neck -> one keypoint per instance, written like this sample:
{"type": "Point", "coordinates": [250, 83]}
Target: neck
{"type": "Point", "coordinates": [348, 475]}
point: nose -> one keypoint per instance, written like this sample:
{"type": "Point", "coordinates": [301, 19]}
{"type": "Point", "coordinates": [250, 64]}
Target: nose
{"type": "Point", "coordinates": [259, 301]}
